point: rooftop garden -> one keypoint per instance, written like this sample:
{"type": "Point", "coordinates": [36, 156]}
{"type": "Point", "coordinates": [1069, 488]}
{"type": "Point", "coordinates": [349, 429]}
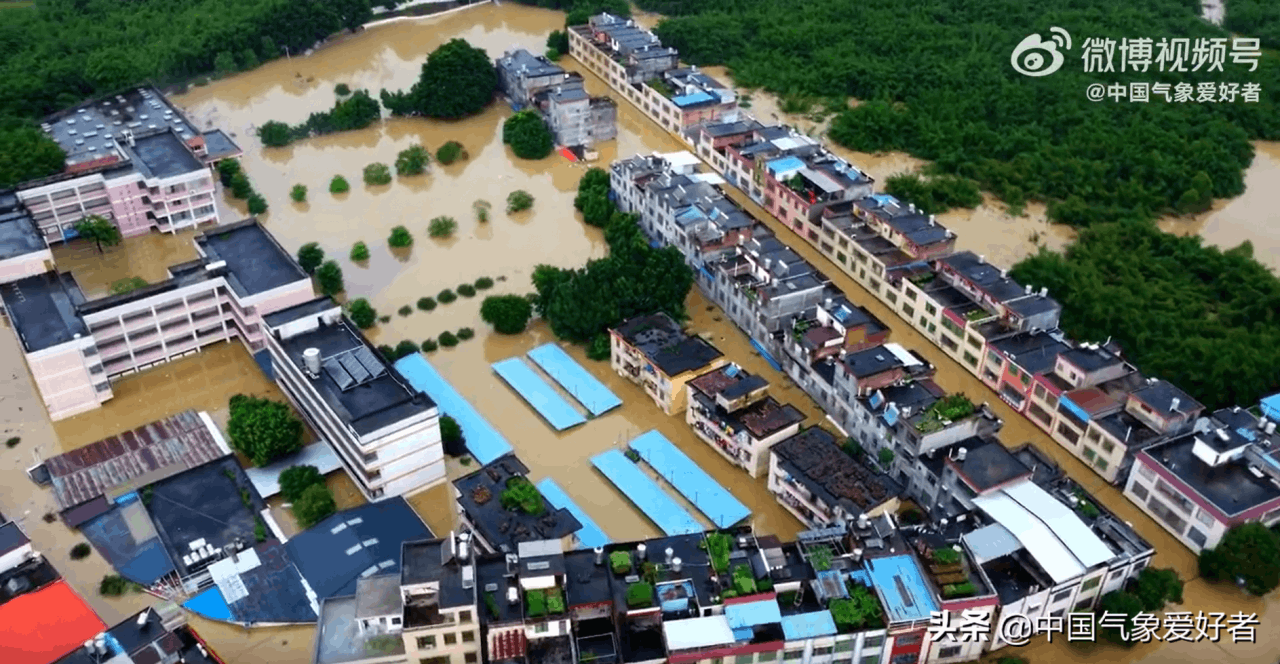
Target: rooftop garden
{"type": "Point", "coordinates": [744, 582]}
{"type": "Point", "coordinates": [660, 86]}
{"type": "Point", "coordinates": [491, 605]}
{"type": "Point", "coordinates": [620, 562]}
{"type": "Point", "coordinates": [1085, 507]}
{"type": "Point", "coordinates": [860, 611]}
{"type": "Point", "coordinates": [950, 408]}
{"type": "Point", "coordinates": [718, 545]}
{"type": "Point", "coordinates": [795, 183]}
{"type": "Point", "coordinates": [976, 314]}
{"type": "Point", "coordinates": [639, 595]}
{"type": "Point", "coordinates": [521, 495]}
{"type": "Point", "coordinates": [923, 279]}
{"type": "Point", "coordinates": [543, 602]}
{"type": "Point", "coordinates": [820, 558]}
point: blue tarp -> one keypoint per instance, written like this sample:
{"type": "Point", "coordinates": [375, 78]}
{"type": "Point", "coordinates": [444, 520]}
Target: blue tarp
{"type": "Point", "coordinates": [691, 481]}
{"type": "Point", "coordinates": [263, 358]}
{"type": "Point", "coordinates": [753, 614]}
{"type": "Point", "coordinates": [645, 494]}
{"type": "Point", "coordinates": [338, 550]}
{"type": "Point", "coordinates": [483, 441]}
{"type": "Point", "coordinates": [210, 604]}
{"type": "Point", "coordinates": [689, 100]}
{"type": "Point", "coordinates": [537, 393]}
{"type": "Point", "coordinates": [142, 562]}
{"type": "Point", "coordinates": [766, 355]}
{"type": "Point", "coordinates": [591, 535]}
{"type": "Point", "coordinates": [902, 585]}
{"type": "Point", "coordinates": [1271, 407]}
{"type": "Point", "coordinates": [812, 625]}
{"type": "Point", "coordinates": [575, 379]}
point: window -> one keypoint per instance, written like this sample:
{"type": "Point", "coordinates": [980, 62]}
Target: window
{"type": "Point", "coordinates": [1139, 490]}
{"type": "Point", "coordinates": [905, 658]}
{"type": "Point", "coordinates": [822, 652]}
{"type": "Point", "coordinates": [767, 656]}
{"type": "Point", "coordinates": [1061, 596]}
{"type": "Point", "coordinates": [873, 641]}
{"type": "Point", "coordinates": [1180, 501]}
{"type": "Point", "coordinates": [395, 621]}
{"type": "Point", "coordinates": [434, 660]}
{"type": "Point", "coordinates": [1083, 605]}
{"type": "Point", "coordinates": [1146, 472]}
{"type": "Point", "coordinates": [948, 652]}
{"type": "Point", "coordinates": [542, 628]}
{"type": "Point", "coordinates": [1090, 454]}
{"type": "Point", "coordinates": [464, 617]}
{"type": "Point", "coordinates": [908, 640]}
{"type": "Point", "coordinates": [793, 654]}
{"type": "Point", "coordinates": [844, 646]}
{"type": "Point", "coordinates": [1197, 536]}
{"type": "Point", "coordinates": [426, 642]}
{"type": "Point", "coordinates": [1091, 584]}
{"type": "Point", "coordinates": [970, 359]}
{"type": "Point", "coordinates": [744, 659]}
{"type": "Point", "coordinates": [469, 658]}
{"type": "Point", "coordinates": [1101, 464]}
{"type": "Point", "coordinates": [450, 639]}
{"type": "Point", "coordinates": [930, 309]}
{"type": "Point", "coordinates": [1108, 447]}
{"type": "Point", "coordinates": [1204, 517]}
{"type": "Point", "coordinates": [468, 637]}
{"type": "Point", "coordinates": [871, 659]}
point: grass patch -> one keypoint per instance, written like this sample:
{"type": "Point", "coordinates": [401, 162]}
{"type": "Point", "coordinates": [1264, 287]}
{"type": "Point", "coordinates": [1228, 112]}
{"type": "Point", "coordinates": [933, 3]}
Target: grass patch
{"type": "Point", "coordinates": [127, 285]}
{"type": "Point", "coordinates": [522, 495]}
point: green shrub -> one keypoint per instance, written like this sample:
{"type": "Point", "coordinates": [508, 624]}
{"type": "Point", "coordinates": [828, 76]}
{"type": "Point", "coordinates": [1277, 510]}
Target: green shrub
{"type": "Point", "coordinates": [446, 296]}
{"type": "Point", "coordinates": [430, 346]}
{"type": "Point", "coordinates": [310, 256]}
{"type": "Point", "coordinates": [257, 204]}
{"type": "Point", "coordinates": [296, 479]}
{"type": "Point", "coordinates": [405, 310]}
{"type": "Point", "coordinates": [412, 160]}
{"type": "Point", "coordinates": [329, 276]}
{"type": "Point", "coordinates": [466, 333]}
{"type": "Point", "coordinates": [466, 290]}
{"type": "Point", "coordinates": [387, 352]}
{"type": "Point", "coordinates": [639, 595]}
{"type": "Point", "coordinates": [426, 303]}
{"type": "Point", "coordinates": [384, 319]}
{"type": "Point", "coordinates": [262, 429]}
{"type": "Point", "coordinates": [114, 585]}
{"type": "Point", "coordinates": [342, 89]}
{"type": "Point", "coordinates": [450, 431]}
{"type": "Point", "coordinates": [362, 313]}
{"type": "Point", "coordinates": [620, 562]}
{"type": "Point", "coordinates": [484, 283]}
{"type": "Point", "coordinates": [400, 238]}
{"type": "Point", "coordinates": [339, 185]}
{"type": "Point", "coordinates": [448, 340]}
{"type": "Point", "coordinates": [521, 494]}
{"type": "Point", "coordinates": [12, 442]}
{"type": "Point", "coordinates": [442, 227]}
{"type": "Point", "coordinates": [259, 529]}
{"type": "Point", "coordinates": [359, 252]}
{"type": "Point", "coordinates": [508, 314]}
{"type": "Point", "coordinates": [600, 348]}
{"type": "Point", "coordinates": [405, 349]}
{"type": "Point", "coordinates": [377, 174]}
{"type": "Point", "coordinates": [314, 505]}
{"type": "Point", "coordinates": [298, 193]}
{"type": "Point", "coordinates": [450, 152]}
{"type": "Point", "coordinates": [81, 551]}
{"type": "Point", "coordinates": [946, 556]}
{"type": "Point", "coordinates": [240, 186]}
{"type": "Point", "coordinates": [555, 601]}
{"type": "Point", "coordinates": [553, 54]}
{"type": "Point", "coordinates": [482, 210]}
{"type": "Point", "coordinates": [519, 201]}
{"type": "Point", "coordinates": [528, 135]}
{"type": "Point", "coordinates": [535, 603]}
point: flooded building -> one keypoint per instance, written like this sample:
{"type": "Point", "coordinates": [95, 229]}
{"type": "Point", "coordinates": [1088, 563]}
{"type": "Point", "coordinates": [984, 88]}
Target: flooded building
{"type": "Point", "coordinates": [439, 596]}
{"type": "Point", "coordinates": [653, 351]}
{"type": "Point", "coordinates": [816, 481]}
{"type": "Point", "coordinates": [74, 346]}
{"type": "Point", "coordinates": [133, 158]}
{"type": "Point", "coordinates": [575, 118]}
{"type": "Point", "coordinates": [23, 251]}
{"type": "Point", "coordinates": [154, 635]}
{"type": "Point", "coordinates": [386, 432]}
{"type": "Point", "coordinates": [731, 410]}
{"type": "Point", "coordinates": [503, 509]}
{"type": "Point", "coordinates": [1222, 474]}
{"type": "Point", "coordinates": [636, 64]}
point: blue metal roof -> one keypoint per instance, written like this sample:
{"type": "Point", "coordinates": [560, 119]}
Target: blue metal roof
{"type": "Point", "coordinates": [808, 625]}
{"type": "Point", "coordinates": [336, 552]}
{"type": "Point", "coordinates": [750, 614]}
{"type": "Point", "coordinates": [1271, 407]}
{"type": "Point", "coordinates": [902, 587]}
{"type": "Point", "coordinates": [690, 100]}
{"type": "Point", "coordinates": [785, 164]}
{"type": "Point", "coordinates": [884, 199]}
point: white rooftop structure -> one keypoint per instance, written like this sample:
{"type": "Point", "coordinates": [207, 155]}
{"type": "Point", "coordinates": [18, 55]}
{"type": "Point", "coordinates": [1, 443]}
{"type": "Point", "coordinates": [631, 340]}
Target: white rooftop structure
{"type": "Point", "coordinates": [681, 160]}
{"type": "Point", "coordinates": [698, 633]}
{"type": "Point", "coordinates": [1060, 543]}
{"type": "Point", "coordinates": [902, 354]}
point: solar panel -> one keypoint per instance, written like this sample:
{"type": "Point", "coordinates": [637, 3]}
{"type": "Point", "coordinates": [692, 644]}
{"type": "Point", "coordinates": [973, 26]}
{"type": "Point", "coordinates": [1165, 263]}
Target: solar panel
{"type": "Point", "coordinates": [369, 361]}
{"type": "Point", "coordinates": [353, 367]}
{"type": "Point", "coordinates": [338, 374]}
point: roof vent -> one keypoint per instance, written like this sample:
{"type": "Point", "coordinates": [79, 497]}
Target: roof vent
{"type": "Point", "coordinates": [311, 362]}
{"type": "Point", "coordinates": [961, 454]}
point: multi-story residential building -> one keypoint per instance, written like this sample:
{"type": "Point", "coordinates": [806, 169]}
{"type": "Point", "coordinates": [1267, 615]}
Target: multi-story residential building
{"type": "Point", "coordinates": [654, 352]}
{"type": "Point", "coordinates": [634, 63]}
{"type": "Point", "coordinates": [133, 158]}
{"type": "Point", "coordinates": [502, 508]}
{"type": "Point", "coordinates": [962, 588]}
{"type": "Point", "coordinates": [1015, 362]}
{"type": "Point", "coordinates": [23, 251]}
{"type": "Point", "coordinates": [1223, 473]}
{"type": "Point", "coordinates": [155, 635]}
{"type": "Point", "coordinates": [816, 481]}
{"type": "Point", "coordinates": [575, 118]}
{"type": "Point", "coordinates": [386, 433]}
{"type": "Point", "coordinates": [364, 628]}
{"type": "Point", "coordinates": [730, 410]}
{"type": "Point", "coordinates": [74, 346]}
{"type": "Point", "coordinates": [439, 596]}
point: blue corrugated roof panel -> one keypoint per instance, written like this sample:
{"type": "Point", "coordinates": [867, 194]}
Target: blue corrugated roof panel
{"type": "Point", "coordinates": [1271, 407]}
{"type": "Point", "coordinates": [808, 625]}
{"type": "Point", "coordinates": [690, 100]}
{"type": "Point", "coordinates": [750, 614]}
{"type": "Point", "coordinates": [785, 164]}
{"type": "Point", "coordinates": [902, 587]}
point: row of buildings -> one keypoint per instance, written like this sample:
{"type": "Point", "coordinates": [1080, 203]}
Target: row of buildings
{"type": "Point", "coordinates": [1198, 473]}
{"type": "Point", "coordinates": [576, 119]}
{"type": "Point", "coordinates": [46, 622]}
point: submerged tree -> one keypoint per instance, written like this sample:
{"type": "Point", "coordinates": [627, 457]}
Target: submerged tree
{"type": "Point", "coordinates": [99, 230]}
{"type": "Point", "coordinates": [457, 80]}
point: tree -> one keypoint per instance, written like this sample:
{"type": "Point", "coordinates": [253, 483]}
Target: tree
{"type": "Point", "coordinates": [263, 430]}
{"type": "Point", "coordinates": [257, 204]}
{"type": "Point", "coordinates": [413, 160]}
{"type": "Point", "coordinates": [1122, 603]}
{"type": "Point", "coordinates": [508, 314]}
{"type": "Point", "coordinates": [294, 480]}
{"type": "Point", "coordinates": [400, 238]}
{"type": "Point", "coordinates": [342, 89]}
{"type": "Point", "coordinates": [405, 349]}
{"type": "Point", "coordinates": [593, 197]}
{"type": "Point", "coordinates": [298, 193]}
{"type": "Point", "coordinates": [310, 256]}
{"type": "Point", "coordinates": [450, 152]}
{"type": "Point", "coordinates": [275, 134]}
{"type": "Point", "coordinates": [1156, 587]}
{"type": "Point", "coordinates": [240, 186]}
{"type": "Point", "coordinates": [442, 227]}
{"type": "Point", "coordinates": [362, 313]}
{"type": "Point", "coordinates": [224, 64]}
{"type": "Point", "coordinates": [29, 154]}
{"type": "Point", "coordinates": [377, 174]}
{"type": "Point", "coordinates": [519, 201]}
{"type": "Point", "coordinates": [329, 275]}
{"type": "Point", "coordinates": [527, 134]}
{"type": "Point", "coordinates": [457, 80]}
{"type": "Point", "coordinates": [359, 252]}
{"type": "Point", "coordinates": [552, 54]}
{"type": "Point", "coordinates": [450, 431]}
{"type": "Point", "coordinates": [1249, 555]}
{"type": "Point", "coordinates": [558, 40]}
{"type": "Point", "coordinates": [315, 503]}
{"type": "Point", "coordinates": [99, 230]}
{"type": "Point", "coordinates": [338, 185]}
{"type": "Point", "coordinates": [248, 60]}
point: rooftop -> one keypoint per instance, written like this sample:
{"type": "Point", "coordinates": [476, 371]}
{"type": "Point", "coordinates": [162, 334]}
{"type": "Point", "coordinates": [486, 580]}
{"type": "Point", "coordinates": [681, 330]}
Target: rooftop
{"type": "Point", "coordinates": [986, 277]}
{"type": "Point", "coordinates": [523, 63]}
{"type": "Point", "coordinates": [585, 581]}
{"type": "Point", "coordinates": [986, 464]}
{"type": "Point", "coordinates": [1129, 430]}
{"type": "Point", "coordinates": [25, 577]}
{"type": "Point", "coordinates": [1092, 358]}
{"type": "Point", "coordinates": [1164, 397]}
{"type": "Point", "coordinates": [41, 626]}
{"type": "Point", "coordinates": [730, 381]}
{"type": "Point", "coordinates": [218, 145]}
{"type": "Point", "coordinates": [257, 263]}
{"type": "Point", "coordinates": [494, 580]}
{"type": "Point", "coordinates": [480, 496]}
{"type": "Point", "coordinates": [43, 309]}
{"type": "Point", "coordinates": [1035, 352]}
{"type": "Point", "coordinates": [95, 129]}
{"type": "Point", "coordinates": [18, 232]}
{"type": "Point", "coordinates": [374, 396]}
{"type": "Point", "coordinates": [149, 642]}
{"type": "Point", "coordinates": [163, 155]}
{"type": "Point", "coordinates": [337, 553]}
{"type": "Point", "coordinates": [12, 538]}
{"type": "Point", "coordinates": [662, 341]}
{"type": "Point", "coordinates": [339, 638]}
{"type": "Point", "coordinates": [436, 561]}
{"type": "Point", "coordinates": [309, 308]}
{"type": "Point", "coordinates": [902, 588]}
{"type": "Point", "coordinates": [879, 359]}
{"type": "Point", "coordinates": [1230, 486]}
{"type": "Point", "coordinates": [813, 458]}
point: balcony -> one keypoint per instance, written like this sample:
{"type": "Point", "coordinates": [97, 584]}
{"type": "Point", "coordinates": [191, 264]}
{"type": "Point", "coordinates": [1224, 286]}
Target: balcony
{"type": "Point", "coordinates": [419, 614]}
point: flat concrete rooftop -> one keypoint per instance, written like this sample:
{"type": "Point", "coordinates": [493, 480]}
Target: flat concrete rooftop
{"type": "Point", "coordinates": [163, 155]}
{"type": "Point", "coordinates": [18, 232]}
{"type": "Point", "coordinates": [256, 262]}
{"type": "Point", "coordinates": [43, 309]}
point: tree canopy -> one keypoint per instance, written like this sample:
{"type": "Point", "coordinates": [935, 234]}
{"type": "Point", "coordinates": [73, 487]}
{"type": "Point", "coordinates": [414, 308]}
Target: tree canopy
{"type": "Point", "coordinates": [1204, 319]}
{"type": "Point", "coordinates": [354, 112]}
{"type": "Point", "coordinates": [99, 230]}
{"type": "Point", "coordinates": [508, 314]}
{"type": "Point", "coordinates": [28, 154]}
{"type": "Point", "coordinates": [63, 51]}
{"type": "Point", "coordinates": [593, 197]}
{"type": "Point", "coordinates": [528, 135]}
{"type": "Point", "coordinates": [1250, 553]}
{"type": "Point", "coordinates": [1256, 18]}
{"type": "Point", "coordinates": [262, 429]}
{"type": "Point", "coordinates": [310, 256]}
{"type": "Point", "coordinates": [935, 80]}
{"type": "Point", "coordinates": [315, 503]}
{"type": "Point", "coordinates": [457, 80]}
{"type": "Point", "coordinates": [296, 479]}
